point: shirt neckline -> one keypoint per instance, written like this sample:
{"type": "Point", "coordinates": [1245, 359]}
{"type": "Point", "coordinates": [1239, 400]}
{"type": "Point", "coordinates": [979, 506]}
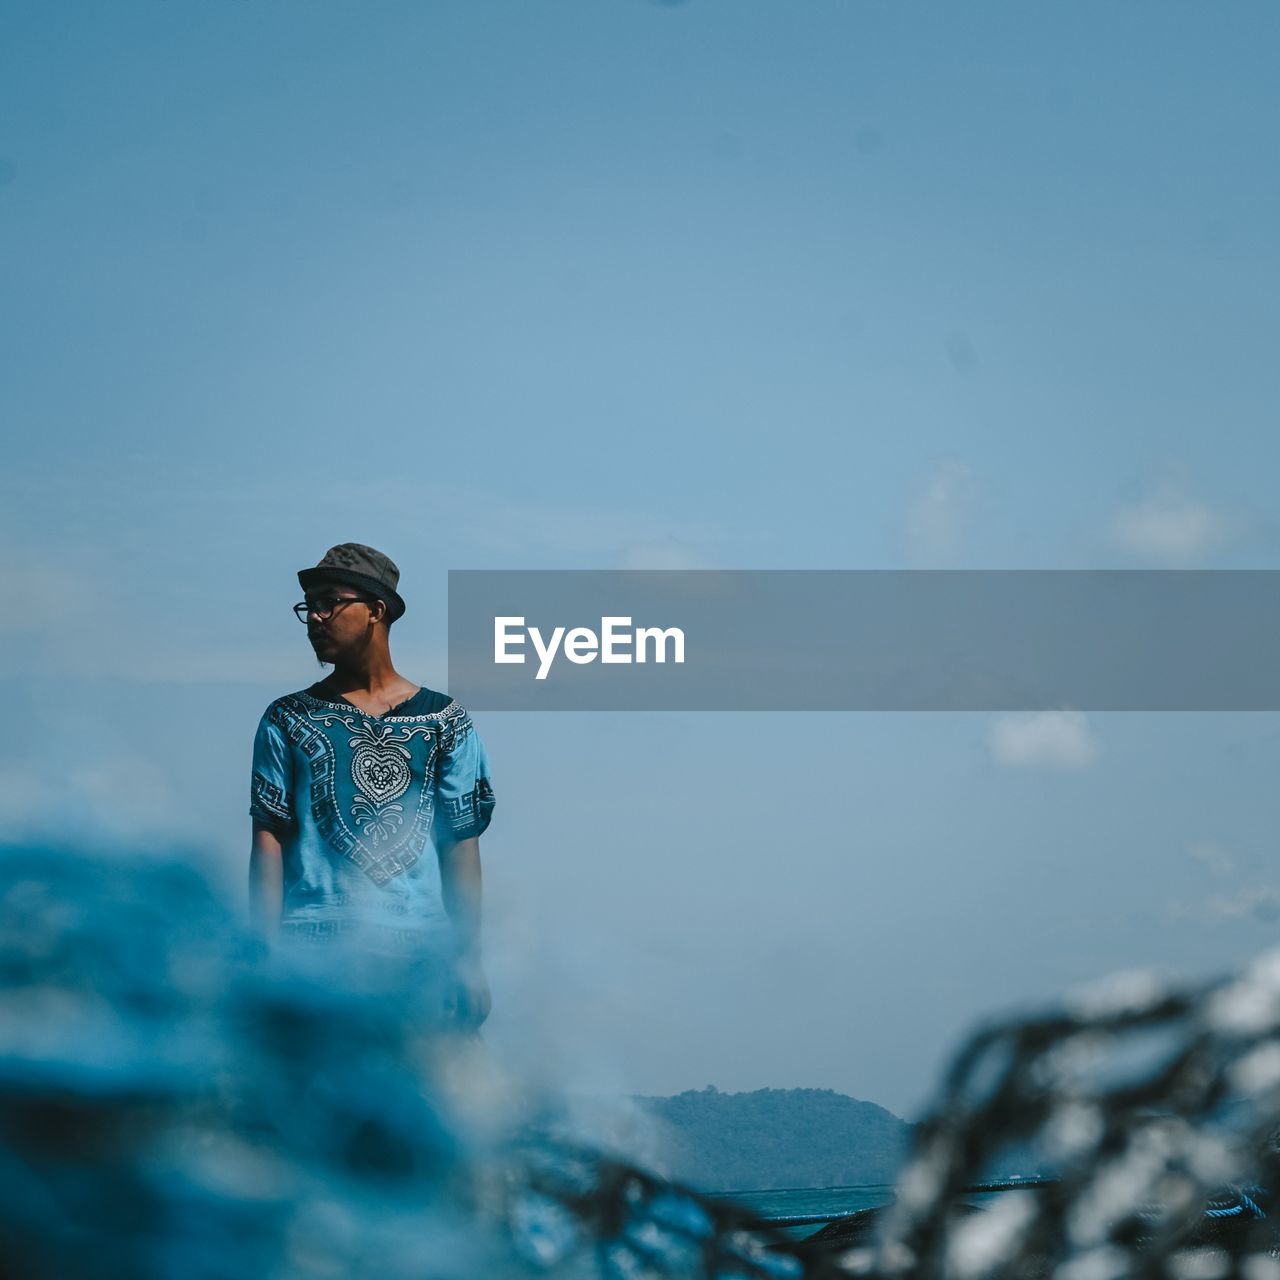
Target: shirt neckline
{"type": "Point", "coordinates": [388, 715]}
{"type": "Point", "coordinates": [389, 711]}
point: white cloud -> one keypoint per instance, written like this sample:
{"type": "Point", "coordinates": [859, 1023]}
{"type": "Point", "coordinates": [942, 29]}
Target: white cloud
{"type": "Point", "coordinates": [1261, 902]}
{"type": "Point", "coordinates": [665, 554]}
{"type": "Point", "coordinates": [122, 795]}
{"type": "Point", "coordinates": [1213, 856]}
{"type": "Point", "coordinates": [1169, 527]}
{"type": "Point", "coordinates": [1253, 902]}
{"type": "Point", "coordinates": [939, 517]}
{"type": "Point", "coordinates": [1043, 739]}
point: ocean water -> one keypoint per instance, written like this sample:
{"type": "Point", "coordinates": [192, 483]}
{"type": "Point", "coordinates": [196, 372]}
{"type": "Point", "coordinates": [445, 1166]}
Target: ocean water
{"type": "Point", "coordinates": [795, 1201]}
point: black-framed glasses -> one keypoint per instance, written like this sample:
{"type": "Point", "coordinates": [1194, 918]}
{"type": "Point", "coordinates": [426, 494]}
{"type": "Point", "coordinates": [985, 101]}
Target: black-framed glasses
{"type": "Point", "coordinates": [324, 606]}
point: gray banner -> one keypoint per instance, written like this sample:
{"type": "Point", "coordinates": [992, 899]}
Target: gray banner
{"type": "Point", "coordinates": [865, 640]}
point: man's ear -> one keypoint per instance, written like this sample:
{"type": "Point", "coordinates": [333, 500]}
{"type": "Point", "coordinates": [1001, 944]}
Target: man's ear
{"type": "Point", "coordinates": [378, 612]}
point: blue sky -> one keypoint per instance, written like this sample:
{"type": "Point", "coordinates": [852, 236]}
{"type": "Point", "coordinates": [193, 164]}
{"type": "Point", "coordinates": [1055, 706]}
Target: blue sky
{"type": "Point", "coordinates": [726, 283]}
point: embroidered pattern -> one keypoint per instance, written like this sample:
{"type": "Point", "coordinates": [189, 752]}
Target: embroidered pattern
{"type": "Point", "coordinates": [460, 817]}
{"type": "Point", "coordinates": [394, 768]}
{"type": "Point", "coordinates": [380, 770]}
{"type": "Point", "coordinates": [269, 802]}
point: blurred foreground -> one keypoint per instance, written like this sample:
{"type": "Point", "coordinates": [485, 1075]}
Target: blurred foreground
{"type": "Point", "coordinates": [174, 1103]}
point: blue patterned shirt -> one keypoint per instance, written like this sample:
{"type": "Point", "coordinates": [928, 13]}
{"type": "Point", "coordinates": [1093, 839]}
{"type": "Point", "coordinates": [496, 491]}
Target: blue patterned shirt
{"type": "Point", "coordinates": [361, 804]}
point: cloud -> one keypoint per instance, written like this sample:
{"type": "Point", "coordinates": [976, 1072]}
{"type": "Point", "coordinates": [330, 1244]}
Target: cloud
{"type": "Point", "coordinates": [664, 554]}
{"type": "Point", "coordinates": [1044, 740]}
{"type": "Point", "coordinates": [1169, 527]}
{"type": "Point", "coordinates": [122, 795]}
{"type": "Point", "coordinates": [939, 517]}
{"type": "Point", "coordinates": [1213, 856]}
{"type": "Point", "coordinates": [1260, 902]}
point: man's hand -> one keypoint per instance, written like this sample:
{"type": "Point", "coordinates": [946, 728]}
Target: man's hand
{"type": "Point", "coordinates": [469, 1004]}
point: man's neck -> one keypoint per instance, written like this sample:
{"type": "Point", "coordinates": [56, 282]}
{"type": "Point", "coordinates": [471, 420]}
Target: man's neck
{"type": "Point", "coordinates": [374, 678]}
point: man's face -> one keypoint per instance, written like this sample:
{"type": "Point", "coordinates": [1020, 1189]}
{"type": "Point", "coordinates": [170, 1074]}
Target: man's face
{"type": "Point", "coordinates": [341, 623]}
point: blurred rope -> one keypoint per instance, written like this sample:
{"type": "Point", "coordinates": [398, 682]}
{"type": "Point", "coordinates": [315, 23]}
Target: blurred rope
{"type": "Point", "coordinates": [170, 1104]}
{"type": "Point", "coordinates": [1155, 1109]}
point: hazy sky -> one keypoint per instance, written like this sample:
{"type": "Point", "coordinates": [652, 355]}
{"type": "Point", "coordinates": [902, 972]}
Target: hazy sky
{"type": "Point", "coordinates": [610, 283]}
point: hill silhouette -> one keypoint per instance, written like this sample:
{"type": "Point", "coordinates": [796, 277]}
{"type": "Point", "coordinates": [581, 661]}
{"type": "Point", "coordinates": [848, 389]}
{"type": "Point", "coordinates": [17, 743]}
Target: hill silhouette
{"type": "Point", "coordinates": [776, 1138]}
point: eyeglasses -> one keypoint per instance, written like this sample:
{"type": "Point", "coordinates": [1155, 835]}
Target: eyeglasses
{"type": "Point", "coordinates": [325, 606]}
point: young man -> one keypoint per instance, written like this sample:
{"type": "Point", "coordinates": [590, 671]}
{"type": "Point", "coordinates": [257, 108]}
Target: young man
{"type": "Point", "coordinates": [369, 796]}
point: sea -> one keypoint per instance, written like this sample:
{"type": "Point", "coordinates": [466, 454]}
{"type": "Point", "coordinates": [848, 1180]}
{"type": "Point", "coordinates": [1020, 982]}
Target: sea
{"type": "Point", "coordinates": [793, 1202]}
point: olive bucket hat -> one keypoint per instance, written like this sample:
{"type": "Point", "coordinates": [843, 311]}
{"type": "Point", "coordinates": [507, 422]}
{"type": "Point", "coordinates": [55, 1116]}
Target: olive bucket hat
{"type": "Point", "coordinates": [355, 565]}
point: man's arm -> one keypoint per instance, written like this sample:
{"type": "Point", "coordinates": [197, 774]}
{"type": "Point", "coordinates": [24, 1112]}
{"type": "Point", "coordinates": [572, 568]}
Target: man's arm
{"type": "Point", "coordinates": [266, 883]}
{"type": "Point", "coordinates": [461, 881]}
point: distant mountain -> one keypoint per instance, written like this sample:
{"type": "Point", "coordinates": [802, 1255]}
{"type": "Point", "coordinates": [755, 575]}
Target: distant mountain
{"type": "Point", "coordinates": [757, 1141]}
{"type": "Point", "coordinates": [776, 1138]}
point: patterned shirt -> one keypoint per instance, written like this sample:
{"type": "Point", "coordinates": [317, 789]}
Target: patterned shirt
{"type": "Point", "coordinates": [361, 804]}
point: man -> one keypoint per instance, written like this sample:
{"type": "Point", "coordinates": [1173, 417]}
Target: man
{"type": "Point", "coordinates": [369, 795]}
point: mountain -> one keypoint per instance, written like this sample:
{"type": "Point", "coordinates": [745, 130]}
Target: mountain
{"type": "Point", "coordinates": [776, 1138]}
{"type": "Point", "coordinates": [765, 1140]}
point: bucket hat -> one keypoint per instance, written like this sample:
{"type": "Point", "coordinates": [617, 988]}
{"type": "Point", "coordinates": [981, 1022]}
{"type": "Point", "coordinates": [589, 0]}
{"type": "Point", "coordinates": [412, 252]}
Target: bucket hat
{"type": "Point", "coordinates": [355, 565]}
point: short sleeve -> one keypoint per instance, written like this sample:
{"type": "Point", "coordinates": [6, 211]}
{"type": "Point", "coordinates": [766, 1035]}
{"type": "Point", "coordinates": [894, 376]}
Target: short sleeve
{"type": "Point", "coordinates": [271, 791]}
{"type": "Point", "coordinates": [464, 794]}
